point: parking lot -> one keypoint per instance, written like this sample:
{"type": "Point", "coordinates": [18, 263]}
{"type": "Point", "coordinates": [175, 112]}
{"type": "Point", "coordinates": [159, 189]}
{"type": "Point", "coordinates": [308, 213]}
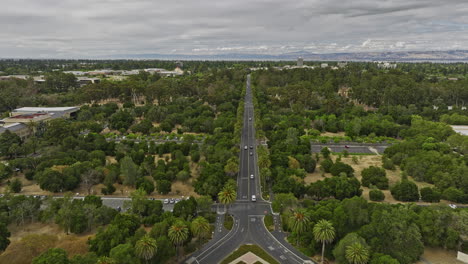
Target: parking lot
{"type": "Point", "coordinates": [355, 148]}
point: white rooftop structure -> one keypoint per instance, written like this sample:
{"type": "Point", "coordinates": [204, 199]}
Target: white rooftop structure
{"type": "Point", "coordinates": [461, 130]}
{"type": "Point", "coordinates": [46, 109]}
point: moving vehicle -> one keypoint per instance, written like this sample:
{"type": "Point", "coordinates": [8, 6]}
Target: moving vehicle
{"type": "Point", "coordinates": [251, 147]}
{"type": "Point", "coordinates": [251, 176]}
{"type": "Point", "coordinates": [254, 198]}
{"type": "Point", "coordinates": [250, 119]}
{"type": "Point", "coordinates": [251, 153]}
{"type": "Point", "coordinates": [245, 147]}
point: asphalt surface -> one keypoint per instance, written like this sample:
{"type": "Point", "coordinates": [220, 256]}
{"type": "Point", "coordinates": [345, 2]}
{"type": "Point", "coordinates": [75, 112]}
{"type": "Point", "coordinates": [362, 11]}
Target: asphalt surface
{"type": "Point", "coordinates": [351, 148]}
{"type": "Point", "coordinates": [248, 215]}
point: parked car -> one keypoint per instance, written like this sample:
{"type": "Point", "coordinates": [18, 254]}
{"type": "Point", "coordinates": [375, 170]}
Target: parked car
{"type": "Point", "coordinates": [172, 200]}
{"type": "Point", "coordinates": [166, 201]}
{"type": "Point", "coordinates": [453, 206]}
{"type": "Point", "coordinates": [177, 200]}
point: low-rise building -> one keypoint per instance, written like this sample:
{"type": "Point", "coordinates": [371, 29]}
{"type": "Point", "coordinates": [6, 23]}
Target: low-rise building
{"type": "Point", "coordinates": [19, 119]}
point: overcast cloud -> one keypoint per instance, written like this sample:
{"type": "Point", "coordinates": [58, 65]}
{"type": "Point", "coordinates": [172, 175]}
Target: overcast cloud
{"type": "Point", "coordinates": [85, 28]}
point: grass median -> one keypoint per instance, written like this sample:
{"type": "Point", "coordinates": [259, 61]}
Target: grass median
{"type": "Point", "coordinates": [250, 248]}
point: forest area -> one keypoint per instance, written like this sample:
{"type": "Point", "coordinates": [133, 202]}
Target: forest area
{"type": "Point", "coordinates": [149, 135]}
{"type": "Point", "coordinates": [406, 108]}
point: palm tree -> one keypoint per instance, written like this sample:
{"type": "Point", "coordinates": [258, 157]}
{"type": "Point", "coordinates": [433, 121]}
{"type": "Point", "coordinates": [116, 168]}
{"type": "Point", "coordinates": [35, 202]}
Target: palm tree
{"type": "Point", "coordinates": [146, 248]}
{"type": "Point", "coordinates": [200, 228]}
{"type": "Point", "coordinates": [324, 232]}
{"type": "Point", "coordinates": [227, 196]}
{"type": "Point", "coordinates": [106, 260]}
{"type": "Point", "coordinates": [356, 253]}
{"type": "Point", "coordinates": [178, 233]}
{"type": "Point", "coordinates": [298, 222]}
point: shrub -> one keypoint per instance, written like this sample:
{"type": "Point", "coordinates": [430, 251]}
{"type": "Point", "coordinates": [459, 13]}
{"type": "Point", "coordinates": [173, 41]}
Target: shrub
{"type": "Point", "coordinates": [376, 195]}
{"type": "Point", "coordinates": [431, 195]}
{"type": "Point", "coordinates": [375, 176]}
{"type": "Point", "coordinates": [388, 164]}
{"type": "Point", "coordinates": [406, 191]}
{"type": "Point", "coordinates": [453, 194]}
{"type": "Point", "coordinates": [326, 165]}
{"type": "Point", "coordinates": [16, 185]}
{"type": "Point", "coordinates": [340, 167]}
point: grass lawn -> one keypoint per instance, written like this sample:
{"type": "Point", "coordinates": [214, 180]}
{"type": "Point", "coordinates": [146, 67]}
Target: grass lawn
{"type": "Point", "coordinates": [250, 248]}
{"type": "Point", "coordinates": [228, 222]}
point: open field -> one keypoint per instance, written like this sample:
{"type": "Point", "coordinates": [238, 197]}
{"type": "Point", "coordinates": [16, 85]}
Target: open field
{"type": "Point", "coordinates": [30, 240]}
{"type": "Point", "coordinates": [364, 161]}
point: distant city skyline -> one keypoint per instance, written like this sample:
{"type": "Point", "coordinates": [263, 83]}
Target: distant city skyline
{"type": "Point", "coordinates": [92, 29]}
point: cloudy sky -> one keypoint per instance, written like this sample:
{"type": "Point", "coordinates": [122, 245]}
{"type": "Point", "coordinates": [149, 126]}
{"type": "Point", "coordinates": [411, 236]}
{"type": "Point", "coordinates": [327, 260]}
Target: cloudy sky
{"type": "Point", "coordinates": [85, 28]}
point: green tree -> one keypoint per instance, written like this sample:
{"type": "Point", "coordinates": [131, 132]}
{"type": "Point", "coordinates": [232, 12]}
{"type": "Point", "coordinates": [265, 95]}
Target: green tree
{"type": "Point", "coordinates": [338, 167]}
{"type": "Point", "coordinates": [383, 259]}
{"type": "Point", "coordinates": [392, 231]}
{"type": "Point", "coordinates": [376, 195]}
{"type": "Point", "coordinates": [325, 152]}
{"type": "Point", "coordinates": [163, 186]}
{"type": "Point", "coordinates": [298, 222]}
{"type": "Point", "coordinates": [65, 214]}
{"type": "Point", "coordinates": [431, 195]}
{"type": "Point", "coordinates": [406, 191]}
{"type": "Point", "coordinates": [283, 201]}
{"type": "Point", "coordinates": [178, 233]}
{"type": "Point", "coordinates": [227, 196]}
{"type": "Point", "coordinates": [339, 252]}
{"type": "Point", "coordinates": [7, 139]}
{"type": "Point", "coordinates": [146, 248]}
{"type": "Point", "coordinates": [129, 171]}
{"type": "Point", "coordinates": [4, 235]}
{"type": "Point", "coordinates": [324, 232]}
{"type": "Point", "coordinates": [356, 253]}
{"type": "Point", "coordinates": [375, 176]}
{"type": "Point", "coordinates": [52, 256]}
{"type": "Point", "coordinates": [204, 203]}
{"type": "Point", "coordinates": [123, 254]}
{"type": "Point", "coordinates": [200, 228]}
{"type": "Point", "coordinates": [123, 119]}
{"type": "Point", "coordinates": [16, 185]}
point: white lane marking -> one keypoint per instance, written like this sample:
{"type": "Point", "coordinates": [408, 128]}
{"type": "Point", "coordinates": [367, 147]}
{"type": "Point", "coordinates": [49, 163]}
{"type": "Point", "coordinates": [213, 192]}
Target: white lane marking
{"type": "Point", "coordinates": [220, 244]}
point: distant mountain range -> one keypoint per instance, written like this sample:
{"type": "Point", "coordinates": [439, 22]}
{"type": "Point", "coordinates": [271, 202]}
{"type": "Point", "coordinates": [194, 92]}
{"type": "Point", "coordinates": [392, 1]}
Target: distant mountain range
{"type": "Point", "coordinates": [439, 56]}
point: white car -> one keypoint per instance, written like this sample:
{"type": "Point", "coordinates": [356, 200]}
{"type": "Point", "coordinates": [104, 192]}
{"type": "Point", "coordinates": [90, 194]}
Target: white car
{"type": "Point", "coordinates": [251, 176]}
{"type": "Point", "coordinates": [250, 119]}
{"type": "Point", "coordinates": [166, 201]}
{"type": "Point", "coordinates": [453, 206]}
{"type": "Point", "coordinates": [245, 147]}
{"type": "Point", "coordinates": [251, 153]}
{"type": "Point", "coordinates": [254, 198]}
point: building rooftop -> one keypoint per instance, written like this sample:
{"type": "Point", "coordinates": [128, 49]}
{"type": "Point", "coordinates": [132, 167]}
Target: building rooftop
{"type": "Point", "coordinates": [46, 109]}
{"type": "Point", "coordinates": [461, 130]}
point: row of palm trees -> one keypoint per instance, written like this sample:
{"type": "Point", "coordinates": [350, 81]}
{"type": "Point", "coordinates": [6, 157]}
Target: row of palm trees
{"type": "Point", "coordinates": [324, 232]}
{"type": "Point", "coordinates": [146, 248]}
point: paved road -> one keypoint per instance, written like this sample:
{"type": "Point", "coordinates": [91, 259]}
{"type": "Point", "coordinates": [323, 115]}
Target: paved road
{"type": "Point", "coordinates": [248, 215]}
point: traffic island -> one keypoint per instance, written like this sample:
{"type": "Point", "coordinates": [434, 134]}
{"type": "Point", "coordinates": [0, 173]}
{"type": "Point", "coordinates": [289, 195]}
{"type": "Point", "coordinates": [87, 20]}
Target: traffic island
{"type": "Point", "coordinates": [228, 222]}
{"type": "Point", "coordinates": [249, 254]}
